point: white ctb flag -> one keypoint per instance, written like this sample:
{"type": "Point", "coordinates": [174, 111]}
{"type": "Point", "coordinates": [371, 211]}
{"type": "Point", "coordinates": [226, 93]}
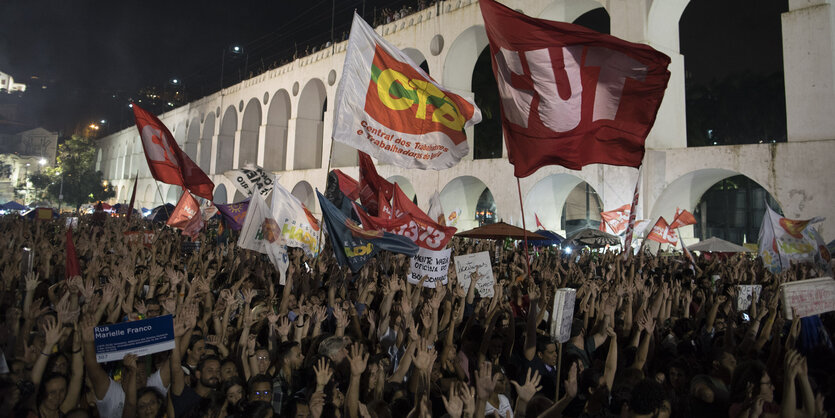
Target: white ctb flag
{"type": "Point", "coordinates": [388, 107]}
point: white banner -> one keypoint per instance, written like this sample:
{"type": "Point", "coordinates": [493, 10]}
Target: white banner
{"type": "Point", "coordinates": [747, 294]}
{"type": "Point", "coordinates": [298, 226]}
{"type": "Point", "coordinates": [808, 297]}
{"type": "Point", "coordinates": [433, 264]}
{"type": "Point", "coordinates": [261, 233]}
{"type": "Point", "coordinates": [562, 314]}
{"type": "Point", "coordinates": [388, 107]}
{"type": "Point", "coordinates": [478, 263]}
{"type": "Point", "coordinates": [251, 178]}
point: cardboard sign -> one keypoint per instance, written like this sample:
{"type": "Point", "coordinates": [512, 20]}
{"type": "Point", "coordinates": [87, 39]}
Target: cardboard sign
{"type": "Point", "coordinates": [433, 264]}
{"type": "Point", "coordinates": [147, 336]}
{"type": "Point", "coordinates": [808, 297]}
{"type": "Point", "coordinates": [746, 295]}
{"type": "Point", "coordinates": [478, 263]}
{"type": "Point", "coordinates": [562, 315]}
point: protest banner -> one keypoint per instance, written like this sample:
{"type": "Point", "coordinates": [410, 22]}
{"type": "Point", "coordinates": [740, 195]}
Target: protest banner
{"type": "Point", "coordinates": [478, 264]}
{"type": "Point", "coordinates": [808, 297]}
{"type": "Point", "coordinates": [433, 264]}
{"type": "Point", "coordinates": [562, 314]}
{"type": "Point", "coordinates": [251, 178]}
{"type": "Point", "coordinates": [746, 295]}
{"type": "Point", "coordinates": [147, 336]}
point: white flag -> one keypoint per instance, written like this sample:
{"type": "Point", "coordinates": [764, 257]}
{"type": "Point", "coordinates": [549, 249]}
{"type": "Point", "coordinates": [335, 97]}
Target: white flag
{"type": "Point", "coordinates": [251, 178]}
{"type": "Point", "coordinates": [388, 107]}
{"type": "Point", "coordinates": [783, 241]}
{"type": "Point", "coordinates": [298, 226]}
{"type": "Point", "coordinates": [261, 233]}
{"type": "Point", "coordinates": [436, 211]}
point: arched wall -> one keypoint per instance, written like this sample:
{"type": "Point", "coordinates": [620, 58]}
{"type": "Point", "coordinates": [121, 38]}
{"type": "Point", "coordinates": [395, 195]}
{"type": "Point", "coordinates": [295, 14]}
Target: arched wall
{"type": "Point", "coordinates": [310, 126]}
{"type": "Point", "coordinates": [180, 133]}
{"type": "Point", "coordinates": [275, 144]}
{"type": "Point", "coordinates": [248, 150]}
{"type": "Point", "coordinates": [404, 184]}
{"type": "Point", "coordinates": [226, 140]}
{"type": "Point", "coordinates": [148, 196]}
{"type": "Point", "coordinates": [547, 198]}
{"type": "Point", "coordinates": [193, 138]}
{"type": "Point", "coordinates": [304, 192]}
{"type": "Point", "coordinates": [568, 10]}
{"type": "Point", "coordinates": [463, 193]}
{"type": "Point", "coordinates": [173, 194]}
{"type": "Point", "coordinates": [219, 195]}
{"type": "Point", "coordinates": [205, 161]}
{"type": "Point", "coordinates": [461, 58]}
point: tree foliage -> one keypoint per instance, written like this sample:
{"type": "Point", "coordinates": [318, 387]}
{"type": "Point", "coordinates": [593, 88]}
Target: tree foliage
{"type": "Point", "coordinates": [76, 166]}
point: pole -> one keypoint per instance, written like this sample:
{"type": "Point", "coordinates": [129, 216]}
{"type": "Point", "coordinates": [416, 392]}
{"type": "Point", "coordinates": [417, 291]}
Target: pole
{"type": "Point", "coordinates": [161, 198]}
{"type": "Point", "coordinates": [222, 62]}
{"type": "Point", "coordinates": [333, 16]}
{"type": "Point", "coordinates": [61, 194]}
{"type": "Point", "coordinates": [527, 257]}
{"type": "Point", "coordinates": [322, 218]}
{"type": "Point", "coordinates": [559, 366]}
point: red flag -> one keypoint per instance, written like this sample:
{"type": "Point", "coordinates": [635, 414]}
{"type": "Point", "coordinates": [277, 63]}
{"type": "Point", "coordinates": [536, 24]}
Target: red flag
{"type": "Point", "coordinates": [538, 224]}
{"type": "Point", "coordinates": [661, 232]}
{"type": "Point", "coordinates": [167, 162]}
{"type": "Point", "coordinates": [132, 196]}
{"type": "Point", "coordinates": [682, 218]}
{"type": "Point", "coordinates": [371, 184]}
{"type": "Point", "coordinates": [616, 219]}
{"type": "Point", "coordinates": [347, 185]}
{"type": "Point", "coordinates": [571, 96]}
{"type": "Point", "coordinates": [186, 215]}
{"type": "Point", "coordinates": [71, 267]}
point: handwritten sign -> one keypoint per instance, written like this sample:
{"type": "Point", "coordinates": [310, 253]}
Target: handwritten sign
{"type": "Point", "coordinates": [562, 315]}
{"type": "Point", "coordinates": [808, 297]}
{"type": "Point", "coordinates": [478, 263]}
{"type": "Point", "coordinates": [433, 264]}
{"type": "Point", "coordinates": [147, 336]}
{"type": "Point", "coordinates": [746, 295]}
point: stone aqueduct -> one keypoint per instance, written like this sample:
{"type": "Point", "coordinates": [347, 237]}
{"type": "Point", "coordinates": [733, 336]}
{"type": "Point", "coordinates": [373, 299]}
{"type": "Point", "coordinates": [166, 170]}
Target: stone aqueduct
{"type": "Point", "coordinates": [276, 120]}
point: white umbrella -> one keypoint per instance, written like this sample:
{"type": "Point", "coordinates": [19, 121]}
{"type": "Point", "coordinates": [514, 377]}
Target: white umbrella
{"type": "Point", "coordinates": [717, 245]}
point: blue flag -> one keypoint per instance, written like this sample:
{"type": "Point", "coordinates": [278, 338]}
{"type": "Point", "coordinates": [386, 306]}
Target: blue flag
{"type": "Point", "coordinates": [353, 245]}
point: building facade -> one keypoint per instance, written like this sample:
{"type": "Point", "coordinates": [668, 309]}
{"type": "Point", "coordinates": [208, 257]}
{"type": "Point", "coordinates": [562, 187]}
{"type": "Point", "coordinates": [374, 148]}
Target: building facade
{"type": "Point", "coordinates": [282, 121]}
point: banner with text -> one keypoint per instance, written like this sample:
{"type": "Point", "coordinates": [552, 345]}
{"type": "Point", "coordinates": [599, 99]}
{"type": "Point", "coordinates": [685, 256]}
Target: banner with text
{"type": "Point", "coordinates": [147, 336]}
{"type": "Point", "coordinates": [562, 314]}
{"type": "Point", "coordinates": [433, 264]}
{"type": "Point", "coordinates": [251, 178]}
{"type": "Point", "coordinates": [477, 265]}
{"type": "Point", "coordinates": [808, 297]}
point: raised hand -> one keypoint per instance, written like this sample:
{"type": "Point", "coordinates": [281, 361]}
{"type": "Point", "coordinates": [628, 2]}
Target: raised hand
{"type": "Point", "coordinates": [485, 381]}
{"type": "Point", "coordinates": [425, 357]}
{"type": "Point", "coordinates": [454, 404]}
{"type": "Point", "coordinates": [358, 359]}
{"type": "Point", "coordinates": [571, 382]}
{"type": "Point", "coordinates": [31, 281]}
{"type": "Point", "coordinates": [52, 332]}
{"type": "Point", "coordinates": [129, 362]}
{"type": "Point", "coordinates": [283, 327]}
{"type": "Point", "coordinates": [528, 390]}
{"type": "Point", "coordinates": [323, 372]}
{"type": "Point", "coordinates": [341, 317]}
{"type": "Point", "coordinates": [169, 304]}
{"type": "Point", "coordinates": [249, 294]}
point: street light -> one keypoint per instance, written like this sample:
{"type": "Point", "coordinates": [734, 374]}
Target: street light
{"type": "Point", "coordinates": [234, 49]}
{"type": "Point", "coordinates": [42, 161]}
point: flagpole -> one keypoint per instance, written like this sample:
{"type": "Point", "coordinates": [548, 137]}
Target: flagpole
{"type": "Point", "coordinates": [527, 257]}
{"type": "Point", "coordinates": [161, 199]}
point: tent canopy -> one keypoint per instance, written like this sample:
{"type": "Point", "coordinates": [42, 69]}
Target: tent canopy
{"type": "Point", "coordinates": [594, 238]}
{"type": "Point", "coordinates": [553, 238]}
{"type": "Point", "coordinates": [717, 245]}
{"type": "Point", "coordinates": [499, 230]}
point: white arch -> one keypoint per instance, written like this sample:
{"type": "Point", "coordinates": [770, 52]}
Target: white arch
{"type": "Point", "coordinates": [238, 196]}
{"type": "Point", "coordinates": [250, 126]}
{"type": "Point", "coordinates": [547, 198]}
{"type": "Point", "coordinates": [226, 140]}
{"type": "Point", "coordinates": [219, 195]}
{"type": "Point", "coordinates": [304, 192]}
{"type": "Point", "coordinates": [404, 184]}
{"type": "Point", "coordinates": [206, 142]}
{"type": "Point", "coordinates": [310, 126]}
{"type": "Point", "coordinates": [463, 193]}
{"type": "Point", "coordinates": [662, 23]}
{"type": "Point", "coordinates": [275, 143]}
{"type": "Point", "coordinates": [180, 133]}
{"type": "Point", "coordinates": [462, 56]}
{"type": "Point", "coordinates": [417, 56]}
{"type": "Point", "coordinates": [148, 196]}
{"type": "Point", "coordinates": [192, 138]}
{"type": "Point", "coordinates": [568, 10]}
{"type": "Point", "coordinates": [173, 194]}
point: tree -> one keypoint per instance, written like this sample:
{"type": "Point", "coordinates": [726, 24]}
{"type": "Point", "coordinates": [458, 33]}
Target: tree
{"type": "Point", "coordinates": [76, 168]}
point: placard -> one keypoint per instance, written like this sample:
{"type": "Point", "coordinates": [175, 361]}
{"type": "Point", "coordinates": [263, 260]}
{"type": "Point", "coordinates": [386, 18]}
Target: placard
{"type": "Point", "coordinates": [808, 297]}
{"type": "Point", "coordinates": [562, 315]}
{"type": "Point", "coordinates": [433, 264]}
{"type": "Point", "coordinates": [147, 336]}
{"type": "Point", "coordinates": [746, 294]}
{"type": "Point", "coordinates": [478, 263]}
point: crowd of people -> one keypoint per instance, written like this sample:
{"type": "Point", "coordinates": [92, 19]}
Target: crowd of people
{"type": "Point", "coordinates": [652, 336]}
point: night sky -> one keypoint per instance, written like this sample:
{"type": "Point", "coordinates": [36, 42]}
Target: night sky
{"type": "Point", "coordinates": [86, 52]}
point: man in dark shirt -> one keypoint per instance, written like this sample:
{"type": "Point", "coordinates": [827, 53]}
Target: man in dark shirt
{"type": "Point", "coordinates": [207, 378]}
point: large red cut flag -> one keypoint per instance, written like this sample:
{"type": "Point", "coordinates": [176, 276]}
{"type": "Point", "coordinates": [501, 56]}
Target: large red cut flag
{"type": "Point", "coordinates": [166, 161]}
{"type": "Point", "coordinates": [661, 232]}
{"type": "Point", "coordinates": [71, 267]}
{"type": "Point", "coordinates": [682, 218]}
{"type": "Point", "coordinates": [348, 185]}
{"type": "Point", "coordinates": [371, 184]}
{"type": "Point", "coordinates": [571, 96]}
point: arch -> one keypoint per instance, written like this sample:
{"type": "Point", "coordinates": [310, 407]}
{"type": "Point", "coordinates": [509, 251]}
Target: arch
{"type": "Point", "coordinates": [238, 196]}
{"type": "Point", "coordinates": [462, 56]}
{"type": "Point", "coordinates": [192, 138]}
{"type": "Point", "coordinates": [581, 209]}
{"type": "Point", "coordinates": [304, 192]}
{"type": "Point", "coordinates": [180, 133]}
{"type": "Point", "coordinates": [310, 126]}
{"type": "Point", "coordinates": [173, 194]}
{"type": "Point", "coordinates": [487, 134]}
{"type": "Point", "coordinates": [687, 191]}
{"type": "Point", "coordinates": [206, 142]}
{"type": "Point", "coordinates": [418, 57]}
{"type": "Point", "coordinates": [148, 196]}
{"type": "Point", "coordinates": [547, 199]}
{"type": "Point", "coordinates": [226, 140]}
{"type": "Point", "coordinates": [463, 194]}
{"type": "Point", "coordinates": [596, 19]}
{"type": "Point", "coordinates": [405, 185]}
{"type": "Point", "coordinates": [219, 196]}
{"type": "Point", "coordinates": [125, 167]}
{"type": "Point", "coordinates": [250, 126]}
{"type": "Point", "coordinates": [275, 144]}
{"type": "Point", "coordinates": [568, 10]}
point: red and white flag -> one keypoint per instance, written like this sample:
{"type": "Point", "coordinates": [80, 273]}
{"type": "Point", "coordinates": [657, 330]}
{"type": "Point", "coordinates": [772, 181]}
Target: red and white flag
{"type": "Point", "coordinates": [371, 185]}
{"type": "Point", "coordinates": [616, 219]}
{"type": "Point", "coordinates": [166, 161]}
{"type": "Point", "coordinates": [571, 96]}
{"type": "Point", "coordinates": [682, 218]}
{"type": "Point", "coordinates": [387, 106]}
{"type": "Point", "coordinates": [661, 232]}
{"type": "Point", "coordinates": [538, 223]}
{"type": "Point", "coordinates": [186, 216]}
